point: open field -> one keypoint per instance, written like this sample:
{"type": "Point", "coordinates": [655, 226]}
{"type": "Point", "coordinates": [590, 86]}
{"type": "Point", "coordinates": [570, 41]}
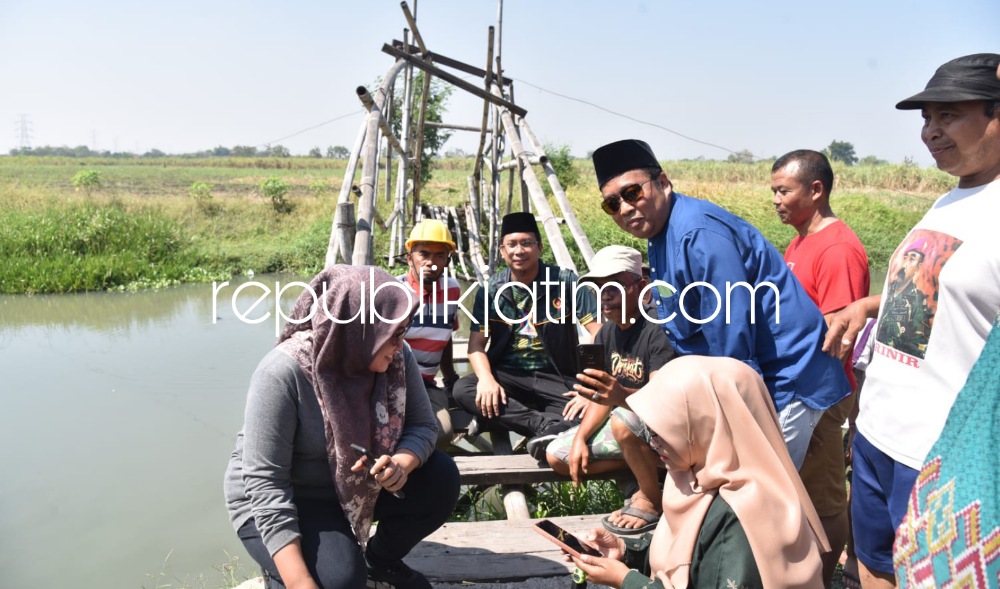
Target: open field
{"type": "Point", "coordinates": [141, 227]}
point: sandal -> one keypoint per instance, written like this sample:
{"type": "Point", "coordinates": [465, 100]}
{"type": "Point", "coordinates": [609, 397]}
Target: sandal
{"type": "Point", "coordinates": [651, 519]}
{"type": "Point", "coordinates": [850, 580]}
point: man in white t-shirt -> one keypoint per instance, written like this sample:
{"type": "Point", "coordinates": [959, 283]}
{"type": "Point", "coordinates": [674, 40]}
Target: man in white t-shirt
{"type": "Point", "coordinates": [942, 293]}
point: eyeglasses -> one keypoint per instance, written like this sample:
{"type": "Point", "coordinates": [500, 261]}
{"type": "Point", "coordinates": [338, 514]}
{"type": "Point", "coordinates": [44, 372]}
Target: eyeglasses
{"type": "Point", "coordinates": [524, 243]}
{"type": "Point", "coordinates": [398, 335]}
{"type": "Point", "coordinates": [630, 194]}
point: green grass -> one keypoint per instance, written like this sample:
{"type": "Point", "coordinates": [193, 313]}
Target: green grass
{"type": "Point", "coordinates": [142, 228]}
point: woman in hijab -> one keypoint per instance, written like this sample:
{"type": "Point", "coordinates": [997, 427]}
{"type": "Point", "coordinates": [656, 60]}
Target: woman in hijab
{"type": "Point", "coordinates": [735, 513]}
{"type": "Point", "coordinates": [301, 499]}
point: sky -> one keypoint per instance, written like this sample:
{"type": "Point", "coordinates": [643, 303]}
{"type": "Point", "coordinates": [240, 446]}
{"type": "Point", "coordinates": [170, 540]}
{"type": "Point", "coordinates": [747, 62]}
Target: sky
{"type": "Point", "coordinates": [694, 79]}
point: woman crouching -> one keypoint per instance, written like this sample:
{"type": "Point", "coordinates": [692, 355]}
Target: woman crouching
{"type": "Point", "coordinates": [301, 498]}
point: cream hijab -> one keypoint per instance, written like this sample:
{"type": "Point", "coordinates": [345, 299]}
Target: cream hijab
{"type": "Point", "coordinates": [717, 432]}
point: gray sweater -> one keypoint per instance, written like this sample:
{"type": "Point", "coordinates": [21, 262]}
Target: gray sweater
{"type": "Point", "coordinates": [281, 450]}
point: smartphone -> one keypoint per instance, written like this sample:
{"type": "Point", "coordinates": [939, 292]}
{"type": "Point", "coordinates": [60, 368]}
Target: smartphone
{"type": "Point", "coordinates": [564, 539]}
{"type": "Point", "coordinates": [590, 356]}
{"type": "Point", "coordinates": [371, 459]}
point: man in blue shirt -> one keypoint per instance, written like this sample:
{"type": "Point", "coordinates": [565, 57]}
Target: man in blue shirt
{"type": "Point", "coordinates": [728, 291]}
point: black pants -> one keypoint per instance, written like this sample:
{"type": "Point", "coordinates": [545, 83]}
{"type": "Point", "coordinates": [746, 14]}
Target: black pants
{"type": "Point", "coordinates": [535, 400]}
{"type": "Point", "coordinates": [330, 549]}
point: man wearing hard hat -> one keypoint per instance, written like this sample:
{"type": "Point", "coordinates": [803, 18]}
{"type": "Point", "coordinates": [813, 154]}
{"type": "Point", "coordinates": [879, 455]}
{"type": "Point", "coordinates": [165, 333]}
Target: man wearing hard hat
{"type": "Point", "coordinates": [428, 251]}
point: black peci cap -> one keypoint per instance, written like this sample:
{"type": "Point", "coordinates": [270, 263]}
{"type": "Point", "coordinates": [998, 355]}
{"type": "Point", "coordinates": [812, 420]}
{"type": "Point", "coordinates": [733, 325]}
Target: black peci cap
{"type": "Point", "coordinates": [518, 223]}
{"type": "Point", "coordinates": [614, 159]}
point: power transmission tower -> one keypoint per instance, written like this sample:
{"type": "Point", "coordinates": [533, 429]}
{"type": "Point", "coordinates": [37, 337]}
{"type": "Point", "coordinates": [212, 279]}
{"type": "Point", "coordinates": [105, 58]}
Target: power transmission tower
{"type": "Point", "coordinates": [24, 131]}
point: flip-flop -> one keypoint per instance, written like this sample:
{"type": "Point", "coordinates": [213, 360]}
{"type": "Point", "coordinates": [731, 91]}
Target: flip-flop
{"type": "Point", "coordinates": [649, 517]}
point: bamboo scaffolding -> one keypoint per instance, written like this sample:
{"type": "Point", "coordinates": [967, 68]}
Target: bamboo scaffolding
{"type": "Point", "coordinates": [582, 241]}
{"type": "Point", "coordinates": [543, 211]}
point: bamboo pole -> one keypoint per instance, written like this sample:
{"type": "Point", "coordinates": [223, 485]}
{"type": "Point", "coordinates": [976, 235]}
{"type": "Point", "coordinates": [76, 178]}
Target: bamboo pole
{"type": "Point", "coordinates": [453, 214]}
{"type": "Point", "coordinates": [479, 265]}
{"type": "Point", "coordinates": [345, 228]}
{"type": "Point", "coordinates": [396, 240]}
{"type": "Point", "coordinates": [334, 248]}
{"type": "Point", "coordinates": [452, 79]}
{"type": "Point", "coordinates": [412, 21]}
{"type": "Point", "coordinates": [438, 125]}
{"type": "Point", "coordinates": [582, 241]}
{"type": "Point", "coordinates": [366, 209]}
{"type": "Point", "coordinates": [477, 168]}
{"type": "Point", "coordinates": [419, 151]}
{"type": "Point", "coordinates": [383, 123]}
{"type": "Point", "coordinates": [542, 210]}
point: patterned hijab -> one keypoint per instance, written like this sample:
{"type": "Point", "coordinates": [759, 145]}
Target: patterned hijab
{"type": "Point", "coordinates": [717, 432]}
{"type": "Point", "coordinates": [358, 406]}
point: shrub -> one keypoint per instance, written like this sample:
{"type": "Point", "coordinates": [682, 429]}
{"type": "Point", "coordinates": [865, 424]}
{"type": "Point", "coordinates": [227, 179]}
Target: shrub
{"type": "Point", "coordinates": [88, 180]}
{"type": "Point", "coordinates": [202, 195]}
{"type": "Point", "coordinates": [276, 189]}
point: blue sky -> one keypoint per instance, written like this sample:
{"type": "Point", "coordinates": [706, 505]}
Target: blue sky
{"type": "Point", "coordinates": [764, 76]}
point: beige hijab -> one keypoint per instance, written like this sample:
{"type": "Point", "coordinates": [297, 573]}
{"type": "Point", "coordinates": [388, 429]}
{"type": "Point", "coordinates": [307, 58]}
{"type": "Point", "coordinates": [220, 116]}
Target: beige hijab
{"type": "Point", "coordinates": [717, 432]}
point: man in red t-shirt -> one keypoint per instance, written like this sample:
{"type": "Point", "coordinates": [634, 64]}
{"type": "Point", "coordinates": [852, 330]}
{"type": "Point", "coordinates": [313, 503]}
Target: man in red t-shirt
{"type": "Point", "coordinates": [831, 264]}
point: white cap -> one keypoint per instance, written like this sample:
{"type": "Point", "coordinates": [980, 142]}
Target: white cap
{"type": "Point", "coordinates": [612, 260]}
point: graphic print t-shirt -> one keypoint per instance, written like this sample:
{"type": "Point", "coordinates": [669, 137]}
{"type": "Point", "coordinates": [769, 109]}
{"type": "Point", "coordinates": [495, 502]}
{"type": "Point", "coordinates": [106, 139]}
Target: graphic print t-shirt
{"type": "Point", "coordinates": [941, 294]}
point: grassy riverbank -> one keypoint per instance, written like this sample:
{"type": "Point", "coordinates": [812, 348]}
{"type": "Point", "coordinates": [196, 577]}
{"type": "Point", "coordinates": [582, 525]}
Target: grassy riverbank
{"type": "Point", "coordinates": [141, 225]}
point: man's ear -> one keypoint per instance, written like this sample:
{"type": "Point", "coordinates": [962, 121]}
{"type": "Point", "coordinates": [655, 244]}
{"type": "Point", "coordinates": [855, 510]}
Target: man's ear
{"type": "Point", "coordinates": [816, 190]}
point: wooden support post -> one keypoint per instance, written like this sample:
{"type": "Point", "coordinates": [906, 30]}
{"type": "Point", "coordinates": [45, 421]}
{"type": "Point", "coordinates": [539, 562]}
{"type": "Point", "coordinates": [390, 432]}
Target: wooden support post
{"type": "Point", "coordinates": [345, 228]}
{"type": "Point", "coordinates": [333, 248]}
{"type": "Point", "coordinates": [582, 242]}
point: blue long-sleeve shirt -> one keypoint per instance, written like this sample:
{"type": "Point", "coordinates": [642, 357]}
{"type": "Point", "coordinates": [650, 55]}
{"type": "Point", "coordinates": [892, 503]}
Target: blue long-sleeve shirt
{"type": "Point", "coordinates": [775, 329]}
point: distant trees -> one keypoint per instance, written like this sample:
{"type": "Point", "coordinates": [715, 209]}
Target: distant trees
{"type": "Point", "coordinates": [338, 153]}
{"type": "Point", "coordinates": [315, 152]}
{"type": "Point", "coordinates": [244, 151]}
{"type": "Point", "coordinates": [870, 160]}
{"type": "Point", "coordinates": [744, 156]}
{"type": "Point", "coordinates": [842, 151]}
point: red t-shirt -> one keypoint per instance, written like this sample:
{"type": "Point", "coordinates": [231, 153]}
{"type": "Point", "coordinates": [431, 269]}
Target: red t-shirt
{"type": "Point", "coordinates": [832, 267]}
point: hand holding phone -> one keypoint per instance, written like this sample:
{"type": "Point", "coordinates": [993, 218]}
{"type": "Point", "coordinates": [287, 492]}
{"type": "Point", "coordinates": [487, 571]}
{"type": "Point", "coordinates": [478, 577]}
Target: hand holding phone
{"type": "Point", "coordinates": [568, 542]}
{"type": "Point", "coordinates": [590, 356]}
{"type": "Point", "coordinates": [364, 452]}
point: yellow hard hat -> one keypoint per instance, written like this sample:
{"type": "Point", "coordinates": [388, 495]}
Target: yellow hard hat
{"type": "Point", "coordinates": [430, 230]}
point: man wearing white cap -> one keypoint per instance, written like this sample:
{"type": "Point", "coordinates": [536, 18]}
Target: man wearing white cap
{"type": "Point", "coordinates": [634, 349]}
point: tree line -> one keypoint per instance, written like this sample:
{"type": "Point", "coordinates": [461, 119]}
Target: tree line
{"type": "Point", "coordinates": [332, 152]}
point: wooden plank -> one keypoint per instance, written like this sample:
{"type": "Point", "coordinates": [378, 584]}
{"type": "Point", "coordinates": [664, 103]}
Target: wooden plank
{"type": "Point", "coordinates": [513, 469]}
{"type": "Point", "coordinates": [494, 551]}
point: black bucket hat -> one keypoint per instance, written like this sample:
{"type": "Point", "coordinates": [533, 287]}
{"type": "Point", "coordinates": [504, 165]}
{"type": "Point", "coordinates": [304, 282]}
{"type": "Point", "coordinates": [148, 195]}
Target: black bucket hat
{"type": "Point", "coordinates": [971, 77]}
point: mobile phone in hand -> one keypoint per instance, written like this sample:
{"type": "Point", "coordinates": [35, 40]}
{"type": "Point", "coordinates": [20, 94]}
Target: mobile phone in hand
{"type": "Point", "coordinates": [364, 452]}
{"type": "Point", "coordinates": [564, 539]}
{"type": "Point", "coordinates": [590, 356]}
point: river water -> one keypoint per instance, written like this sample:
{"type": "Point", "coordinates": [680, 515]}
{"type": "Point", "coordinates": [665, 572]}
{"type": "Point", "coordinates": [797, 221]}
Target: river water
{"type": "Point", "coordinates": [119, 415]}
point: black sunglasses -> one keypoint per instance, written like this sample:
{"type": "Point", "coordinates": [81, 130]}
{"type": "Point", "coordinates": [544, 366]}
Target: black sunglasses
{"type": "Point", "coordinates": [630, 194]}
